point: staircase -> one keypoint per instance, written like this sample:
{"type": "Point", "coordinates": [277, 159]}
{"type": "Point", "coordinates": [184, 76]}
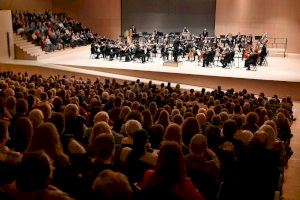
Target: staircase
{"type": "Point", "coordinates": [25, 50]}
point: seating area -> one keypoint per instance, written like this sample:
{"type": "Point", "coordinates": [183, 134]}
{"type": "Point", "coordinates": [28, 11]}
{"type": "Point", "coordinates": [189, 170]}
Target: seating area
{"type": "Point", "coordinates": [51, 31]}
{"type": "Point", "coordinates": [74, 138]}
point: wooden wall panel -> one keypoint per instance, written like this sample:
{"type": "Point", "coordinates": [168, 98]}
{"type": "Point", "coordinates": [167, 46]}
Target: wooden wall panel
{"type": "Point", "coordinates": [102, 16]}
{"type": "Point", "coordinates": [278, 18]}
{"type": "Point", "coordinates": [30, 5]}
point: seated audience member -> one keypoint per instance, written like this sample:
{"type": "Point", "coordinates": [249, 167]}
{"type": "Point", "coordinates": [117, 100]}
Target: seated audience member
{"type": "Point", "coordinates": [163, 119]}
{"type": "Point", "coordinates": [131, 127]}
{"type": "Point", "coordinates": [156, 134]}
{"type": "Point", "coordinates": [33, 179]}
{"type": "Point", "coordinates": [9, 160]}
{"type": "Point", "coordinates": [169, 180]}
{"type": "Point", "coordinates": [36, 117]}
{"type": "Point", "coordinates": [74, 123]}
{"type": "Point", "coordinates": [138, 159]}
{"type": "Point", "coordinates": [174, 133]}
{"type": "Point", "coordinates": [259, 170]}
{"type": "Point", "coordinates": [203, 167]}
{"type": "Point", "coordinates": [102, 157]}
{"type": "Point", "coordinates": [251, 122]}
{"type": "Point", "coordinates": [46, 138]}
{"type": "Point", "coordinates": [98, 129]}
{"type": "Point", "coordinates": [111, 185]}
{"type": "Point", "coordinates": [104, 117]}
{"type": "Point", "coordinates": [190, 128]}
{"type": "Point", "coordinates": [121, 119]}
{"type": "Point", "coordinates": [24, 132]}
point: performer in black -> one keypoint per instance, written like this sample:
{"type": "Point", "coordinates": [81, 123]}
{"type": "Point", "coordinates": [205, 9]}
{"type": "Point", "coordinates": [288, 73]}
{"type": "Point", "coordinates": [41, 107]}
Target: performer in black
{"type": "Point", "coordinates": [176, 46]}
{"type": "Point", "coordinates": [205, 33]}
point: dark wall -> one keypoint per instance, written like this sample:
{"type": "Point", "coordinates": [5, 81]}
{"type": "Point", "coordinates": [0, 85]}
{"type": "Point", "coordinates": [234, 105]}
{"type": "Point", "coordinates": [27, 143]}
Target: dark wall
{"type": "Point", "coordinates": [169, 15]}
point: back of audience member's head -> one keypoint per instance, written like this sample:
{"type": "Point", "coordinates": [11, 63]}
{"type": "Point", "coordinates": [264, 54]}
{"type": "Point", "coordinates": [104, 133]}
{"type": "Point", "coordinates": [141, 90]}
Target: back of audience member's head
{"type": "Point", "coordinates": [244, 136]}
{"type": "Point", "coordinates": [36, 117]}
{"type": "Point", "coordinates": [229, 129]}
{"type": "Point", "coordinates": [140, 139]}
{"type": "Point", "coordinates": [135, 115]}
{"type": "Point", "coordinates": [57, 104]}
{"type": "Point", "coordinates": [104, 146]}
{"type": "Point", "coordinates": [156, 134]}
{"type": "Point", "coordinates": [148, 120]}
{"type": "Point", "coordinates": [178, 119]}
{"type": "Point", "coordinates": [170, 163]}
{"type": "Point", "coordinates": [124, 112]}
{"type": "Point", "coordinates": [163, 118]}
{"type": "Point", "coordinates": [252, 118]}
{"type": "Point", "coordinates": [34, 172]}
{"type": "Point", "coordinates": [173, 133]}
{"type": "Point", "coordinates": [58, 120]}
{"type": "Point", "coordinates": [209, 114]}
{"type": "Point", "coordinates": [100, 128]}
{"type": "Point", "coordinates": [271, 135]}
{"type": "Point", "coordinates": [132, 126]}
{"type": "Point", "coordinates": [190, 128]}
{"type": "Point", "coordinates": [71, 111]}
{"type": "Point", "coordinates": [47, 110]}
{"type": "Point", "coordinates": [216, 120]}
{"type": "Point", "coordinates": [24, 132]}
{"type": "Point", "coordinates": [10, 102]}
{"type": "Point", "coordinates": [21, 106]}
{"type": "Point", "coordinates": [45, 137]}
{"type": "Point", "coordinates": [198, 144]}
{"type": "Point", "coordinates": [259, 140]}
{"type": "Point", "coordinates": [101, 116]}
{"type": "Point", "coordinates": [273, 125]}
{"type": "Point", "coordinates": [111, 185]}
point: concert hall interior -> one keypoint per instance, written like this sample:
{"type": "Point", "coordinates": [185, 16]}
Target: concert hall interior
{"type": "Point", "coordinates": [101, 93]}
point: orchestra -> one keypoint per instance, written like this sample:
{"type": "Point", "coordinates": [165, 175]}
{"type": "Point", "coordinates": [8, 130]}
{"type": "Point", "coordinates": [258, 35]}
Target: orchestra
{"type": "Point", "coordinates": [173, 45]}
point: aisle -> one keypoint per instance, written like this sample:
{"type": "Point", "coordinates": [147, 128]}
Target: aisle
{"type": "Point", "coordinates": [291, 187]}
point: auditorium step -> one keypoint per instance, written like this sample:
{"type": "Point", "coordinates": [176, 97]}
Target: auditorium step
{"type": "Point", "coordinates": [25, 50]}
{"type": "Point", "coordinates": [277, 52]}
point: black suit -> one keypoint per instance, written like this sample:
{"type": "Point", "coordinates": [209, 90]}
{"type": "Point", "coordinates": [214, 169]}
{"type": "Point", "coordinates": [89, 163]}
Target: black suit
{"type": "Point", "coordinates": [263, 54]}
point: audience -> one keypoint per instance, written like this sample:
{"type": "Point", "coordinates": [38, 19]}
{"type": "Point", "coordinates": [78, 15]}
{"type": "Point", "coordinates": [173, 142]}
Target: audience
{"type": "Point", "coordinates": [51, 31]}
{"type": "Point", "coordinates": [80, 136]}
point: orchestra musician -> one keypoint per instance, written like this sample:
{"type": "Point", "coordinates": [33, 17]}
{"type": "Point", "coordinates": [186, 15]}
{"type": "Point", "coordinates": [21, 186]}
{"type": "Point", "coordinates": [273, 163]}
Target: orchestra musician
{"type": "Point", "coordinates": [205, 33]}
{"type": "Point", "coordinates": [185, 33]}
{"type": "Point", "coordinates": [251, 59]}
{"type": "Point", "coordinates": [262, 52]}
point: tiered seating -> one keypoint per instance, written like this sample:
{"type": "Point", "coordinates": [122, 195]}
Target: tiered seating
{"type": "Point", "coordinates": [160, 141]}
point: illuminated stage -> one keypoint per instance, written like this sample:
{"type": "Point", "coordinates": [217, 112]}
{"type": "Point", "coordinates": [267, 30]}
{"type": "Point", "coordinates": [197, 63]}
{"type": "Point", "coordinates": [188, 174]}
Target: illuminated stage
{"type": "Point", "coordinates": [281, 74]}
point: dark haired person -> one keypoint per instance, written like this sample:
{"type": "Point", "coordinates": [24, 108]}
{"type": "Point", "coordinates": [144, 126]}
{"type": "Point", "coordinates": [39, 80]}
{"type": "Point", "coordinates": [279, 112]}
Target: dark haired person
{"type": "Point", "coordinates": [169, 180]}
{"type": "Point", "coordinates": [33, 179]}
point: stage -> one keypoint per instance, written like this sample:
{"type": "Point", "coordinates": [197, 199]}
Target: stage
{"type": "Point", "coordinates": [281, 74]}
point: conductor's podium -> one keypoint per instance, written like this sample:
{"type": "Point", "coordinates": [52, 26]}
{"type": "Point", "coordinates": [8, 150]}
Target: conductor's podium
{"type": "Point", "coordinates": [173, 64]}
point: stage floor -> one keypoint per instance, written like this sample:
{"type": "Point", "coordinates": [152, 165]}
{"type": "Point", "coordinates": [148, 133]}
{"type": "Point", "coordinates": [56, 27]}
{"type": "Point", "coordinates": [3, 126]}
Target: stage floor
{"type": "Point", "coordinates": [281, 76]}
{"type": "Point", "coordinates": [278, 69]}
